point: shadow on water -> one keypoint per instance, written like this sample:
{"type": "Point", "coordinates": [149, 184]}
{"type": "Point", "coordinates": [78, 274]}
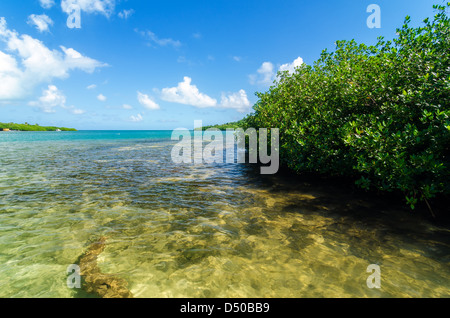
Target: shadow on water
{"type": "Point", "coordinates": [362, 215]}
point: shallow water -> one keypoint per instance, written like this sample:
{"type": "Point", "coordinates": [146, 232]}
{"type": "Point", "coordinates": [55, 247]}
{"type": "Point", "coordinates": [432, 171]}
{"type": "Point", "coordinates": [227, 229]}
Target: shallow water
{"type": "Point", "coordinates": [217, 230]}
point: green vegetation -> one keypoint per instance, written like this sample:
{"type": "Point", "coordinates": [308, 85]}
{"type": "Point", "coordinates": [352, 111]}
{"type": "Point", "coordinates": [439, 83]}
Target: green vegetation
{"type": "Point", "coordinates": [36, 127]}
{"type": "Point", "coordinates": [377, 114]}
{"type": "Point", "coordinates": [234, 125]}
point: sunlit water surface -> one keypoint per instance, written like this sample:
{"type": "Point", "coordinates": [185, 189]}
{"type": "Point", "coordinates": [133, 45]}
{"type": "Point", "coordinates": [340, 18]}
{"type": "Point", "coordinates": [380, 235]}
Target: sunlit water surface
{"type": "Point", "coordinates": [217, 230]}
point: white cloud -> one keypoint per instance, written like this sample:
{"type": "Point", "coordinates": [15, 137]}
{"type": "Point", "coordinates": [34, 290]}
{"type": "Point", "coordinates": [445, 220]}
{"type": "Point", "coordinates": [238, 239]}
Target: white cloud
{"type": "Point", "coordinates": [137, 118]}
{"type": "Point", "coordinates": [93, 86]}
{"type": "Point", "coordinates": [154, 39]}
{"type": "Point", "coordinates": [38, 63]}
{"type": "Point", "coordinates": [187, 94]}
{"type": "Point", "coordinates": [105, 7]}
{"type": "Point", "coordinates": [266, 71]}
{"type": "Point", "coordinates": [237, 101]}
{"type": "Point", "coordinates": [147, 102]}
{"type": "Point", "coordinates": [237, 58]}
{"type": "Point", "coordinates": [101, 97]}
{"type": "Point", "coordinates": [125, 14]}
{"type": "Point", "coordinates": [126, 106]}
{"type": "Point", "coordinates": [74, 60]}
{"type": "Point", "coordinates": [47, 4]}
{"type": "Point", "coordinates": [291, 67]}
{"type": "Point", "coordinates": [267, 75]}
{"type": "Point", "coordinates": [10, 77]}
{"type": "Point", "coordinates": [40, 22]}
{"type": "Point", "coordinates": [8, 64]}
{"type": "Point", "coordinates": [75, 111]}
{"type": "Point", "coordinates": [52, 98]}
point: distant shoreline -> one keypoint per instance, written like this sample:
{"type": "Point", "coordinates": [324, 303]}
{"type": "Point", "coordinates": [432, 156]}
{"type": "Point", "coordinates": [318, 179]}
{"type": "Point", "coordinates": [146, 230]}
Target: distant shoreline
{"type": "Point", "coordinates": [223, 127]}
{"type": "Point", "coordinates": [26, 127]}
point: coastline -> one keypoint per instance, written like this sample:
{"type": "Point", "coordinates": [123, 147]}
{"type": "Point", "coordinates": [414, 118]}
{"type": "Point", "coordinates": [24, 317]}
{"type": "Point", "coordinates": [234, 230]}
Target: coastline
{"type": "Point", "coordinates": [14, 127]}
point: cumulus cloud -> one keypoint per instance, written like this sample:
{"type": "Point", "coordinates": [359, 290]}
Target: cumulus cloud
{"type": "Point", "coordinates": [187, 94]}
{"type": "Point", "coordinates": [266, 74]}
{"type": "Point", "coordinates": [125, 14]}
{"type": "Point", "coordinates": [126, 106]}
{"type": "Point", "coordinates": [93, 86]}
{"type": "Point", "coordinates": [50, 99]}
{"type": "Point", "coordinates": [147, 102]}
{"type": "Point", "coordinates": [53, 98]}
{"type": "Point", "coordinates": [136, 118]}
{"type": "Point", "coordinates": [38, 63]}
{"type": "Point", "coordinates": [105, 7]}
{"type": "Point", "coordinates": [47, 4]}
{"type": "Point", "coordinates": [11, 78]}
{"type": "Point", "coordinates": [75, 60]}
{"type": "Point", "coordinates": [40, 22]}
{"type": "Point", "coordinates": [290, 67]}
{"type": "Point", "coordinates": [237, 101]}
{"type": "Point", "coordinates": [101, 97]}
{"type": "Point", "coordinates": [155, 40]}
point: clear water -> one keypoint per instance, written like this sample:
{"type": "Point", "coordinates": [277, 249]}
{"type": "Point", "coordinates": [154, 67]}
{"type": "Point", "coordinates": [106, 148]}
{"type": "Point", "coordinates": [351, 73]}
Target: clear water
{"type": "Point", "coordinates": [218, 230]}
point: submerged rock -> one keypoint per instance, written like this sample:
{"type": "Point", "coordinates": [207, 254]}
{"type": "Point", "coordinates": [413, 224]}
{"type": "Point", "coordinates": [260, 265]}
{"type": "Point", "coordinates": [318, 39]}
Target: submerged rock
{"type": "Point", "coordinates": [96, 282]}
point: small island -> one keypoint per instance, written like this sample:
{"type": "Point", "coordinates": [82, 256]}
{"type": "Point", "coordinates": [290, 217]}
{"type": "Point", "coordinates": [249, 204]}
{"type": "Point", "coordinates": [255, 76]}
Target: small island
{"type": "Point", "coordinates": [28, 127]}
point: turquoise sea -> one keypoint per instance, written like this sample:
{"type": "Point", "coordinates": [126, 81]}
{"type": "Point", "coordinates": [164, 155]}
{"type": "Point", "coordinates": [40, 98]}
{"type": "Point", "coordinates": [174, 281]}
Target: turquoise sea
{"type": "Point", "coordinates": [206, 230]}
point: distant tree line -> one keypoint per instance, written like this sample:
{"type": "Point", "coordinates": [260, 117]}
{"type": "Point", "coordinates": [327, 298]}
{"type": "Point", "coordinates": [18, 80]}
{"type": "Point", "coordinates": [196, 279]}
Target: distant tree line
{"type": "Point", "coordinates": [36, 127]}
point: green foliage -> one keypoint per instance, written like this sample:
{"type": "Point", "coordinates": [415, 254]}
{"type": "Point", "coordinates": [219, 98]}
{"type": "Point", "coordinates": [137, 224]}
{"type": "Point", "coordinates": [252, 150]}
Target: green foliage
{"type": "Point", "coordinates": [26, 127]}
{"type": "Point", "coordinates": [234, 125]}
{"type": "Point", "coordinates": [378, 114]}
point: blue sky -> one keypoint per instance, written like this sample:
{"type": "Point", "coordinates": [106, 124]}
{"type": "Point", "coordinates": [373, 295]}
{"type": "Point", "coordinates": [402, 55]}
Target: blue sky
{"type": "Point", "coordinates": [136, 64]}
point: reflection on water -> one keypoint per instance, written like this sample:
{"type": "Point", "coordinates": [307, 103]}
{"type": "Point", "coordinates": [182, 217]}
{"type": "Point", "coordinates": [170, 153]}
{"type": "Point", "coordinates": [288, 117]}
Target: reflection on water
{"type": "Point", "coordinates": [201, 230]}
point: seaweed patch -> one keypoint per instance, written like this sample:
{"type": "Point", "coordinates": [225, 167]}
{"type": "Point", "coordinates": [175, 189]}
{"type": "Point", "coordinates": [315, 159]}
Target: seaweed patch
{"type": "Point", "coordinates": [96, 282]}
